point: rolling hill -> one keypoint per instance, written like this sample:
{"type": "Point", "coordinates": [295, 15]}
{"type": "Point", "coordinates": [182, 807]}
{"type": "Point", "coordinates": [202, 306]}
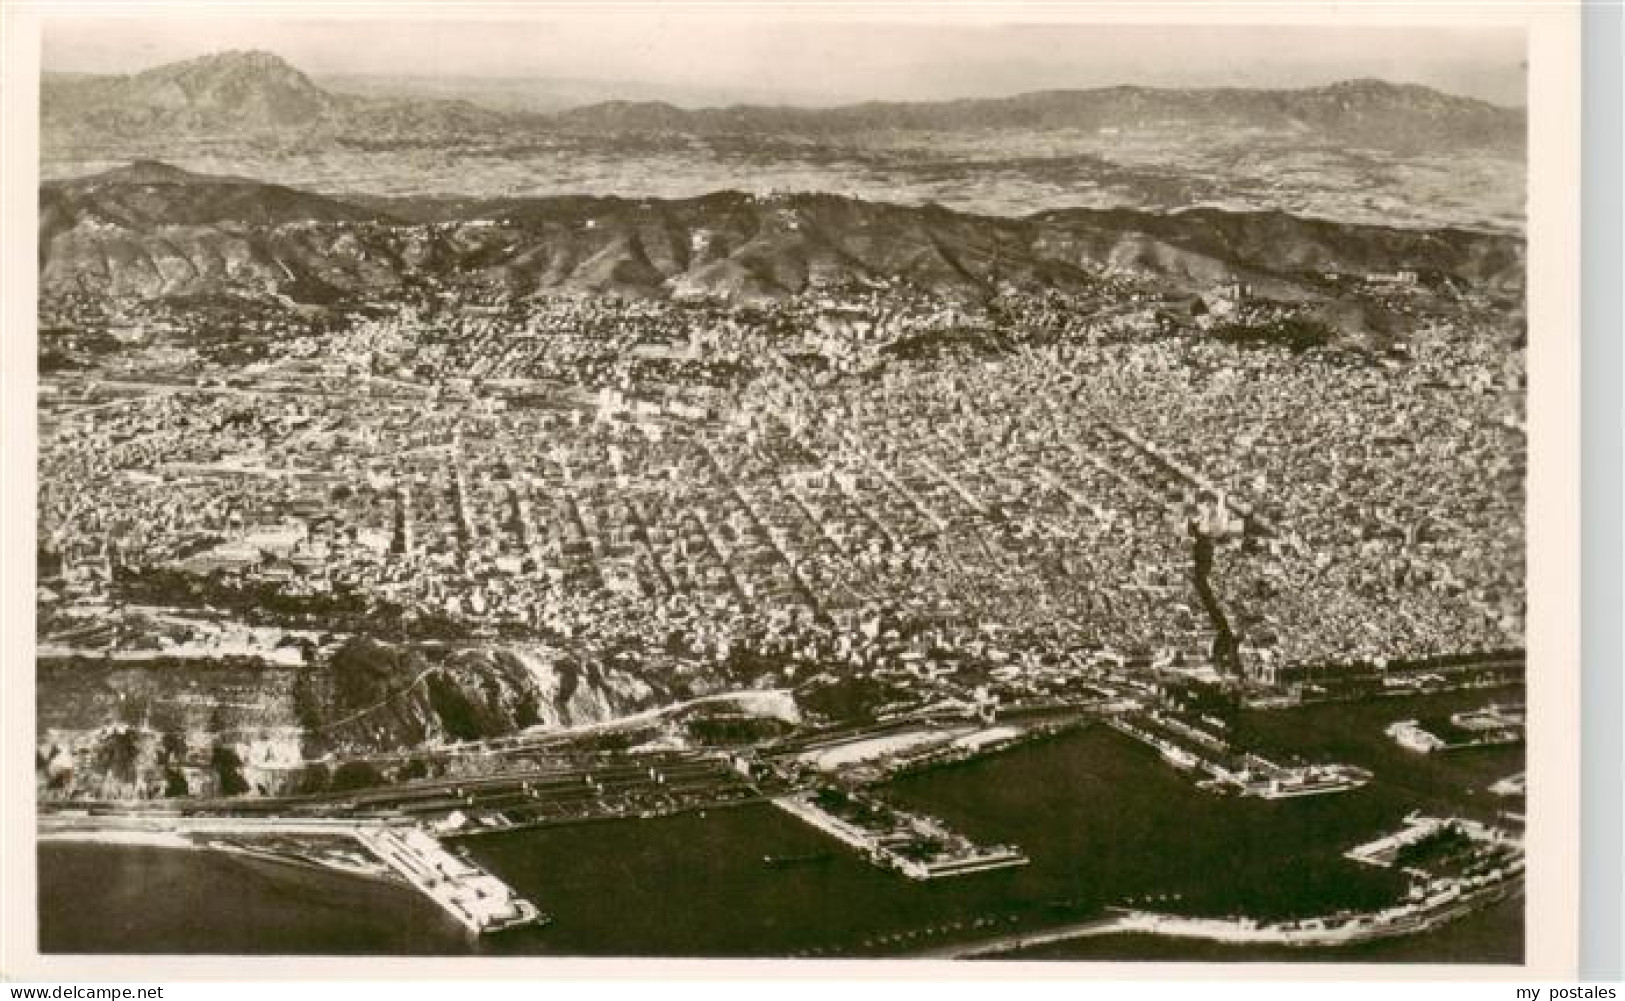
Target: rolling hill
{"type": "Point", "coordinates": [153, 230]}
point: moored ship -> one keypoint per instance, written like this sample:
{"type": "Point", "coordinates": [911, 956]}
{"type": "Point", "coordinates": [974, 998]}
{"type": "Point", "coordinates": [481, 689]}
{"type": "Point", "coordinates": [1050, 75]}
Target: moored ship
{"type": "Point", "coordinates": [1314, 780]}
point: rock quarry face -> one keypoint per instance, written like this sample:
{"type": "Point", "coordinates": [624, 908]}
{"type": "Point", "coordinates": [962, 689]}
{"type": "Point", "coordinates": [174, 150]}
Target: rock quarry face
{"type": "Point", "coordinates": [572, 695]}
{"type": "Point", "coordinates": [150, 730]}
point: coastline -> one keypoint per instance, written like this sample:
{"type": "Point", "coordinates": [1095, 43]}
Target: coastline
{"type": "Point", "coordinates": [122, 837]}
{"type": "Point", "coordinates": [574, 879]}
{"type": "Point", "coordinates": [139, 837]}
{"type": "Point", "coordinates": [1230, 931]}
{"type": "Point", "coordinates": [1238, 933]}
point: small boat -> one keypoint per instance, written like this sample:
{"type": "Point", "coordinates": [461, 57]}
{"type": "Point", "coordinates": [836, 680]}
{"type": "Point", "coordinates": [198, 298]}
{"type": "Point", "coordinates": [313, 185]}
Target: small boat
{"type": "Point", "coordinates": [783, 861]}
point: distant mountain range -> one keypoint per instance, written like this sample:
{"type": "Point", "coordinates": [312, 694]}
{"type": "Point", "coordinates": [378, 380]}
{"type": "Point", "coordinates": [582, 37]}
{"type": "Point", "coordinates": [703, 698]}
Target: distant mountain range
{"type": "Point", "coordinates": [149, 229]}
{"type": "Point", "coordinates": [1359, 112]}
{"type": "Point", "coordinates": [238, 95]}
{"type": "Point", "coordinates": [258, 95]}
{"type": "Point", "coordinates": [547, 94]}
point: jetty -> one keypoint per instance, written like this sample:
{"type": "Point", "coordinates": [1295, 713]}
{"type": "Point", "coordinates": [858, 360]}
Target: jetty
{"type": "Point", "coordinates": [1421, 912]}
{"type": "Point", "coordinates": [920, 848]}
{"type": "Point", "coordinates": [481, 902]}
{"type": "Point", "coordinates": [1190, 750]}
{"type": "Point", "coordinates": [1418, 830]}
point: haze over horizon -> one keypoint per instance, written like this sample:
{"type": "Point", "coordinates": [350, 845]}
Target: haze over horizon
{"type": "Point", "coordinates": [691, 62]}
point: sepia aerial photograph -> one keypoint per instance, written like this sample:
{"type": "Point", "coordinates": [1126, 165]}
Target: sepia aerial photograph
{"type": "Point", "coordinates": [644, 483]}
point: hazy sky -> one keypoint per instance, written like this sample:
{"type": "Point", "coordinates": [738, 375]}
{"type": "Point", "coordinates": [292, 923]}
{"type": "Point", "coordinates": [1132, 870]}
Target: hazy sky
{"type": "Point", "coordinates": [791, 57]}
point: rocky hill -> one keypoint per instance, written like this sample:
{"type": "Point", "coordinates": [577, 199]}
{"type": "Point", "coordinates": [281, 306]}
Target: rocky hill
{"type": "Point", "coordinates": [152, 230]}
{"type": "Point", "coordinates": [147, 195]}
{"type": "Point", "coordinates": [166, 728]}
{"type": "Point", "coordinates": [239, 95]}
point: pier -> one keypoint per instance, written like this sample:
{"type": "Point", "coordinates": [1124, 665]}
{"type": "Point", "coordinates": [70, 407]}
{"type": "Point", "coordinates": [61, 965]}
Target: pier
{"type": "Point", "coordinates": [1245, 774]}
{"type": "Point", "coordinates": [918, 847]}
{"type": "Point", "coordinates": [1385, 852]}
{"type": "Point", "coordinates": [479, 901]}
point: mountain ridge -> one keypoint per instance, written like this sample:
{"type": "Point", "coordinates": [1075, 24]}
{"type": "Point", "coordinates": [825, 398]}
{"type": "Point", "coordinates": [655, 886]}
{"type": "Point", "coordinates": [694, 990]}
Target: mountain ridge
{"type": "Point", "coordinates": [239, 93]}
{"type": "Point", "coordinates": [153, 230]}
{"type": "Point", "coordinates": [258, 92]}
